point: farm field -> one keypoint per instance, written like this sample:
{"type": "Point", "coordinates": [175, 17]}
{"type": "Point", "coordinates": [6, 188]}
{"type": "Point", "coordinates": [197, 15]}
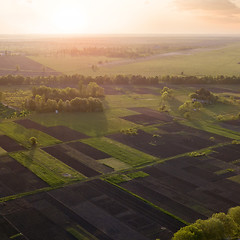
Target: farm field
{"type": "Point", "coordinates": [218, 60]}
{"type": "Point", "coordinates": [129, 171]}
{"type": "Point", "coordinates": [22, 65]}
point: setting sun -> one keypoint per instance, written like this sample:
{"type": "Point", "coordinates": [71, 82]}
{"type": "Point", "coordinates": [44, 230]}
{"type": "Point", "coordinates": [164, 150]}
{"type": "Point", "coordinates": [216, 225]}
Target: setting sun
{"type": "Point", "coordinates": [67, 19]}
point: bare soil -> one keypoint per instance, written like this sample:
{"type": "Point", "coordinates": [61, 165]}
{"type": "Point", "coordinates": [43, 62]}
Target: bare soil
{"type": "Point", "coordinates": [15, 178]}
{"type": "Point", "coordinates": [152, 113]}
{"type": "Point", "coordinates": [27, 67]}
{"type": "Point", "coordinates": [162, 145]}
{"type": "Point", "coordinates": [62, 133]}
{"type": "Point", "coordinates": [58, 152]}
{"type": "Point", "coordinates": [142, 119]}
{"type": "Point", "coordinates": [9, 144]}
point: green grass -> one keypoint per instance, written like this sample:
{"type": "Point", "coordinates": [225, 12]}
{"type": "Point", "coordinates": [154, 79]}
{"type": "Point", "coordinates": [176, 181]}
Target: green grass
{"type": "Point", "coordinates": [73, 65]}
{"type": "Point", "coordinates": [215, 62]}
{"type": "Point", "coordinates": [214, 128]}
{"type": "Point", "coordinates": [22, 135]}
{"type": "Point", "coordinates": [120, 151]}
{"type": "Point", "coordinates": [211, 62]}
{"type": "Point", "coordinates": [2, 151]}
{"type": "Point", "coordinates": [92, 124]}
{"type": "Point", "coordinates": [48, 168]}
{"type": "Point", "coordinates": [139, 174]}
{"type": "Point", "coordinates": [114, 163]}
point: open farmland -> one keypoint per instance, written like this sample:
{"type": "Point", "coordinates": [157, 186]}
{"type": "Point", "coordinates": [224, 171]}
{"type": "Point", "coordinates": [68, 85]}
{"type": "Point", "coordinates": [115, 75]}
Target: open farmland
{"type": "Point", "coordinates": [215, 60]}
{"type": "Point", "coordinates": [129, 171]}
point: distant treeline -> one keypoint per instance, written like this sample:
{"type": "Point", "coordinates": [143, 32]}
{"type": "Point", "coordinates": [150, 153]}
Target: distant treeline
{"type": "Point", "coordinates": [83, 91]}
{"type": "Point", "coordinates": [119, 79]}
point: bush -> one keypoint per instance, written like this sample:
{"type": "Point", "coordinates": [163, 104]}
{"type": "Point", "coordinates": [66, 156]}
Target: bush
{"type": "Point", "coordinates": [33, 141]}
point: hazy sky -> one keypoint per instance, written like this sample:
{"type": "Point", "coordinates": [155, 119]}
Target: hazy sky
{"type": "Point", "coordinates": [119, 16]}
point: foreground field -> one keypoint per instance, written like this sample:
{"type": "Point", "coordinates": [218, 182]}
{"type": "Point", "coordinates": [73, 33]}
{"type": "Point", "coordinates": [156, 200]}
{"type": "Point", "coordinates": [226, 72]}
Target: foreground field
{"type": "Point", "coordinates": [131, 171]}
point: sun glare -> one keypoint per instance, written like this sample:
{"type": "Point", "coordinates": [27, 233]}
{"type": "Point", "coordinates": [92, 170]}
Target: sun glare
{"type": "Point", "coordinates": [69, 20]}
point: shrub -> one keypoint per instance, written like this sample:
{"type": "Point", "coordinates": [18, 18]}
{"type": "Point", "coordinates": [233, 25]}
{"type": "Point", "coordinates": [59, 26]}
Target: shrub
{"type": "Point", "coordinates": [33, 141]}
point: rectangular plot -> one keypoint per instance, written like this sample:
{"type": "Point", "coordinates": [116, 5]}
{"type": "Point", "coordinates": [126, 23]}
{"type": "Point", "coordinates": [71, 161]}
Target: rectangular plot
{"type": "Point", "coordinates": [16, 179]}
{"type": "Point", "coordinates": [64, 133]}
{"type": "Point", "coordinates": [137, 205]}
{"type": "Point", "coordinates": [36, 226]}
{"type": "Point", "coordinates": [89, 150]}
{"type": "Point", "coordinates": [163, 201]}
{"type": "Point", "coordinates": [145, 142]}
{"type": "Point", "coordinates": [27, 123]}
{"type": "Point", "coordinates": [226, 153]}
{"type": "Point", "coordinates": [9, 144]}
{"type": "Point", "coordinates": [106, 223]}
{"type": "Point", "coordinates": [153, 113]}
{"type": "Point", "coordinates": [142, 119]}
{"type": "Point", "coordinates": [72, 162]}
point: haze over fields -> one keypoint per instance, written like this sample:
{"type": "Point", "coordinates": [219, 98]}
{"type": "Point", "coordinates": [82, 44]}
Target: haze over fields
{"type": "Point", "coordinates": [118, 17]}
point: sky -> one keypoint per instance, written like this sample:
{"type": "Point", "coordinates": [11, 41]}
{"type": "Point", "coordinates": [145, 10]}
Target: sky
{"type": "Point", "coordinates": [120, 17]}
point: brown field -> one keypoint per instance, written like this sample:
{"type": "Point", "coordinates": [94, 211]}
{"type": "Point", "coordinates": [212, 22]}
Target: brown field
{"type": "Point", "coordinates": [27, 67]}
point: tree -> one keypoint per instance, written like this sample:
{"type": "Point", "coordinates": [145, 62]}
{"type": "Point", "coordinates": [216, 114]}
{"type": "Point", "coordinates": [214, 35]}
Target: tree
{"type": "Point", "coordinates": [33, 141]}
{"type": "Point", "coordinates": [234, 213]}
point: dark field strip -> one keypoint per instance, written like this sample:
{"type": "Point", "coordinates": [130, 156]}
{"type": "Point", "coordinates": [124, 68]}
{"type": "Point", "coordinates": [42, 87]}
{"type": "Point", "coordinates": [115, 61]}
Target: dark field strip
{"type": "Point", "coordinates": [36, 226]}
{"type": "Point", "coordinates": [162, 145]}
{"type": "Point", "coordinates": [233, 122]}
{"type": "Point", "coordinates": [163, 201]}
{"type": "Point", "coordinates": [9, 144]}
{"type": "Point", "coordinates": [28, 67]}
{"type": "Point", "coordinates": [58, 152]}
{"type": "Point", "coordinates": [190, 180]}
{"type": "Point", "coordinates": [27, 123]}
{"type": "Point", "coordinates": [139, 206]}
{"type": "Point", "coordinates": [147, 111]}
{"type": "Point", "coordinates": [175, 127]}
{"type": "Point", "coordinates": [89, 150]}
{"type": "Point", "coordinates": [7, 230]}
{"type": "Point", "coordinates": [60, 132]}
{"type": "Point", "coordinates": [227, 153]}
{"type": "Point", "coordinates": [64, 134]}
{"type": "Point", "coordinates": [116, 212]}
{"type": "Point", "coordinates": [14, 178]}
{"type": "Point", "coordinates": [142, 119]}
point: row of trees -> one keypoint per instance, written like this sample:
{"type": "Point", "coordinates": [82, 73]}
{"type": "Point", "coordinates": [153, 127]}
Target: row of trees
{"type": "Point", "coordinates": [220, 226]}
{"type": "Point", "coordinates": [118, 79]}
{"type": "Point", "coordinates": [83, 91]}
{"type": "Point", "coordinates": [77, 104]}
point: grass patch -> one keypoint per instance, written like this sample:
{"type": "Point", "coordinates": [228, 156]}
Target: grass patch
{"type": "Point", "coordinates": [117, 179]}
{"type": "Point", "coordinates": [120, 151]}
{"type": "Point", "coordinates": [235, 179]}
{"type": "Point", "coordinates": [223, 171]}
{"type": "Point", "coordinates": [46, 167]}
{"type": "Point", "coordinates": [92, 124]}
{"type": "Point", "coordinates": [139, 174]}
{"type": "Point", "coordinates": [213, 128]}
{"type": "Point", "coordinates": [2, 151]}
{"type": "Point", "coordinates": [22, 135]}
{"type": "Point", "coordinates": [114, 163]}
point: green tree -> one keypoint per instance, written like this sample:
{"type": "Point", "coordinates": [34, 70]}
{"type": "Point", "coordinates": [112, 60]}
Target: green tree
{"type": "Point", "coordinates": [33, 141]}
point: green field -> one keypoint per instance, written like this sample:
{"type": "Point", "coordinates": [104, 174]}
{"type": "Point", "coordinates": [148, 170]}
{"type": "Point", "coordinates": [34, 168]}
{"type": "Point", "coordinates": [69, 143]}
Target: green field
{"type": "Point", "coordinates": [48, 168]}
{"type": "Point", "coordinates": [223, 60]}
